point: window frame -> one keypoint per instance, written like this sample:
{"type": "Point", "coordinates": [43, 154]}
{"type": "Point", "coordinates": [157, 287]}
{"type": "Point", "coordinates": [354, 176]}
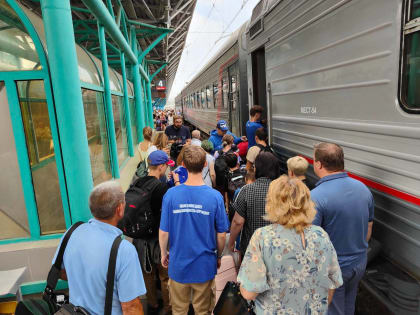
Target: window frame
{"type": "Point", "coordinates": [405, 32]}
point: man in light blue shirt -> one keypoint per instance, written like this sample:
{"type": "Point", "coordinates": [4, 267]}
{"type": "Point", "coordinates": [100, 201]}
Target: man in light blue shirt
{"type": "Point", "coordinates": [85, 262]}
{"type": "Point", "coordinates": [345, 211]}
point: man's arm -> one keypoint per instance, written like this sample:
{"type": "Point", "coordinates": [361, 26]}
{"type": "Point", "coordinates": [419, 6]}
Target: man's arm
{"type": "Point", "coordinates": [369, 233]}
{"type": "Point", "coordinates": [163, 243]}
{"type": "Point", "coordinates": [221, 241]}
{"type": "Point", "coordinates": [212, 174]}
{"type": "Point", "coordinates": [247, 294]}
{"type": "Point", "coordinates": [249, 165]}
{"type": "Point", "coordinates": [235, 229]}
{"type": "Point", "coordinates": [133, 307]}
{"type": "Point", "coordinates": [330, 295]}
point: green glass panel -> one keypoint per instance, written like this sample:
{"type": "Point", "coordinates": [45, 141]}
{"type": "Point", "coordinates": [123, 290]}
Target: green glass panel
{"type": "Point", "coordinates": [40, 146]}
{"type": "Point", "coordinates": [13, 216]}
{"type": "Point", "coordinates": [17, 49]}
{"type": "Point", "coordinates": [93, 105]}
{"type": "Point", "coordinates": [120, 128]}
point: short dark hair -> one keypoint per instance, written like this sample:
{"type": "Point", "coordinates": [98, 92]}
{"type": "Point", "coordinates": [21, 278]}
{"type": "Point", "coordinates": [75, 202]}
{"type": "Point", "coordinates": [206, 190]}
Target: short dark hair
{"type": "Point", "coordinates": [231, 160]}
{"type": "Point", "coordinates": [261, 134]}
{"type": "Point", "coordinates": [250, 175]}
{"type": "Point", "coordinates": [330, 155]}
{"type": "Point", "coordinates": [194, 158]}
{"type": "Point", "coordinates": [256, 109]}
{"type": "Point", "coordinates": [267, 165]}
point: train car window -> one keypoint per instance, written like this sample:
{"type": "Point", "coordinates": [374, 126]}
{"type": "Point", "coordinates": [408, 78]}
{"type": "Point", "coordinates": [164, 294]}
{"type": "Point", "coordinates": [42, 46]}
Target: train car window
{"type": "Point", "coordinates": [215, 92]}
{"type": "Point", "coordinates": [209, 97]}
{"type": "Point", "coordinates": [198, 102]}
{"type": "Point", "coordinates": [203, 99]}
{"type": "Point", "coordinates": [225, 92]}
{"type": "Point", "coordinates": [409, 91]}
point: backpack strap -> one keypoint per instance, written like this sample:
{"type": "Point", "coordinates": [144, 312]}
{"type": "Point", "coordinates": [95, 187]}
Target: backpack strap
{"type": "Point", "coordinates": [111, 275]}
{"type": "Point", "coordinates": [54, 272]}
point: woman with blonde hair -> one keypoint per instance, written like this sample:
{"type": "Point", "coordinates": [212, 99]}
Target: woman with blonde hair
{"type": "Point", "coordinates": [290, 266]}
{"type": "Point", "coordinates": [145, 145]}
{"type": "Point", "coordinates": [160, 142]}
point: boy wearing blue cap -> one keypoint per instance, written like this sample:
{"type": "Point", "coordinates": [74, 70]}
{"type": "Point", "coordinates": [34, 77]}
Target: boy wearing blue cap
{"type": "Point", "coordinates": [148, 250]}
{"type": "Point", "coordinates": [217, 134]}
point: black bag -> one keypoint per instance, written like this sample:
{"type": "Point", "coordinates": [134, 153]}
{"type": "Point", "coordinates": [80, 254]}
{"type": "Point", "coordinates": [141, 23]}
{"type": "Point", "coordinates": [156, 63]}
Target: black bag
{"type": "Point", "coordinates": [231, 302]}
{"type": "Point", "coordinates": [138, 220]}
{"type": "Point", "coordinates": [48, 305]}
{"type": "Point", "coordinates": [235, 181]}
{"type": "Point", "coordinates": [221, 169]}
{"type": "Point", "coordinates": [175, 150]}
{"type": "Point", "coordinates": [265, 149]}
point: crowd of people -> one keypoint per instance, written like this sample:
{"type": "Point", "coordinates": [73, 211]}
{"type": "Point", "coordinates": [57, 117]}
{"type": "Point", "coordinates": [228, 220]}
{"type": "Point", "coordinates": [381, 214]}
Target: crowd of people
{"type": "Point", "coordinates": [303, 252]}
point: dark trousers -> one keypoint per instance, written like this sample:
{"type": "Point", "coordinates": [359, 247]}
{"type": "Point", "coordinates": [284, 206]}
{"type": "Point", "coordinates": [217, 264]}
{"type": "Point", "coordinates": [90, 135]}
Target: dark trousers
{"type": "Point", "coordinates": [344, 299]}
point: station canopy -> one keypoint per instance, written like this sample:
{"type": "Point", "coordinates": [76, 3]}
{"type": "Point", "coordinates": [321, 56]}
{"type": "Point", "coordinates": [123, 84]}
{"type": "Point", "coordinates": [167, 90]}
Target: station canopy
{"type": "Point", "coordinates": [149, 18]}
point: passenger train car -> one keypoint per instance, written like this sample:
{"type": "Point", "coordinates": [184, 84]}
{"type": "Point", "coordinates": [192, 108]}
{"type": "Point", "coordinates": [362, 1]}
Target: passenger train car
{"type": "Point", "coordinates": [343, 71]}
{"type": "Point", "coordinates": [219, 91]}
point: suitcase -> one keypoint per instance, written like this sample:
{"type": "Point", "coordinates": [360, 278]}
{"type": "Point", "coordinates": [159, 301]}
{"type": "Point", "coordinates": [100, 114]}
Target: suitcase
{"type": "Point", "coordinates": [226, 272]}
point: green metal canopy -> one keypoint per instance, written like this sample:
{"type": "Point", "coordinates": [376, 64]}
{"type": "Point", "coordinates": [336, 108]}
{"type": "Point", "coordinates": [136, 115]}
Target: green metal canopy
{"type": "Point", "coordinates": [160, 28]}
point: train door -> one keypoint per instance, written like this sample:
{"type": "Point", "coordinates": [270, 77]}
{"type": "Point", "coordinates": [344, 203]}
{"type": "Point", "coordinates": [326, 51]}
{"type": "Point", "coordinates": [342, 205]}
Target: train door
{"type": "Point", "coordinates": [259, 96]}
{"type": "Point", "coordinates": [234, 99]}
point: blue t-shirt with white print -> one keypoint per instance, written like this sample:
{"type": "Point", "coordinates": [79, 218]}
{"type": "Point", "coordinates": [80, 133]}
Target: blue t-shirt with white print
{"type": "Point", "coordinates": [193, 215]}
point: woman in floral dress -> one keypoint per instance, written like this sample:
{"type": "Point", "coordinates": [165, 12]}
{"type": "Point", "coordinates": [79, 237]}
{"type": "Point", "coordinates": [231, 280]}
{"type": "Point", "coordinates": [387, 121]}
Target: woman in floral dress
{"type": "Point", "coordinates": [290, 267]}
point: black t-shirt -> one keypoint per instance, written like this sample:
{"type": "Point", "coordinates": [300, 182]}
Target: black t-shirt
{"type": "Point", "coordinates": [157, 196]}
{"type": "Point", "coordinates": [179, 135]}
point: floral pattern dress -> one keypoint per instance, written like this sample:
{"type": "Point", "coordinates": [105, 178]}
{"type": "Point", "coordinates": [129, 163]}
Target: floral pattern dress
{"type": "Point", "coordinates": [289, 278]}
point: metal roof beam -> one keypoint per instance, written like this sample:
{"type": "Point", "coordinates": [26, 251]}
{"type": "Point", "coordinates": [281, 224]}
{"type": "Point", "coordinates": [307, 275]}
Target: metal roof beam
{"type": "Point", "coordinates": [148, 11]}
{"type": "Point", "coordinates": [182, 36]}
{"type": "Point", "coordinates": [100, 11]}
{"type": "Point", "coordinates": [180, 25]}
{"type": "Point", "coordinates": [180, 9]}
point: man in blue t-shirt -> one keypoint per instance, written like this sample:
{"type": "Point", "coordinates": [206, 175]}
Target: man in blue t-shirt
{"type": "Point", "coordinates": [193, 224]}
{"type": "Point", "coordinates": [253, 124]}
{"type": "Point", "coordinates": [85, 262]}
{"type": "Point", "coordinates": [345, 211]}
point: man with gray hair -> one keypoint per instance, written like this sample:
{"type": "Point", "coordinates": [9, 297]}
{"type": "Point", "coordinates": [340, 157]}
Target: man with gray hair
{"type": "Point", "coordinates": [196, 138]}
{"type": "Point", "coordinates": [85, 262]}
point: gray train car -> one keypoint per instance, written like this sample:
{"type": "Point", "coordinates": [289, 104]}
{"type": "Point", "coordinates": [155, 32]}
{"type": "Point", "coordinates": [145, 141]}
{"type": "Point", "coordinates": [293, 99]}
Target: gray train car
{"type": "Point", "coordinates": [219, 90]}
{"type": "Point", "coordinates": [348, 71]}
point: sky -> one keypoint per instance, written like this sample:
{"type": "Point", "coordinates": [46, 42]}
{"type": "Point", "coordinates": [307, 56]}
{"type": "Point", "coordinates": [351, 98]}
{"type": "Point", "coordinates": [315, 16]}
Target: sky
{"type": "Point", "coordinates": [212, 22]}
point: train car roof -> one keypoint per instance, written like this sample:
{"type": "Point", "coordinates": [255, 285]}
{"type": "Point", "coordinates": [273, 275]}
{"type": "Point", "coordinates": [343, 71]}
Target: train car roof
{"type": "Point", "coordinates": [233, 38]}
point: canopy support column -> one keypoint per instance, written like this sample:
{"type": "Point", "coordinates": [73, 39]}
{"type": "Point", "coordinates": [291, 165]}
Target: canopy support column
{"type": "Point", "coordinates": [68, 105]}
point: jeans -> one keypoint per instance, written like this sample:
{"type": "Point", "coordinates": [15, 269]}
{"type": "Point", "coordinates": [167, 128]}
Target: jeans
{"type": "Point", "coordinates": [344, 299]}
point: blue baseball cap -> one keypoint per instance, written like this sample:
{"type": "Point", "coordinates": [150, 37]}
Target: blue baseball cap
{"type": "Point", "coordinates": [222, 125]}
{"type": "Point", "coordinates": [159, 157]}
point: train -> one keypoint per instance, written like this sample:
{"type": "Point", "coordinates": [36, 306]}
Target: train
{"type": "Point", "coordinates": [342, 71]}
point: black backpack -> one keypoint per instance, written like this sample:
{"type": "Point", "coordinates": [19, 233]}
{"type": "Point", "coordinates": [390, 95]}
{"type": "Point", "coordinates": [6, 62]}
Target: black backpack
{"type": "Point", "coordinates": [265, 149]}
{"type": "Point", "coordinates": [138, 220]}
{"type": "Point", "coordinates": [221, 169]}
{"type": "Point", "coordinates": [235, 181]}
